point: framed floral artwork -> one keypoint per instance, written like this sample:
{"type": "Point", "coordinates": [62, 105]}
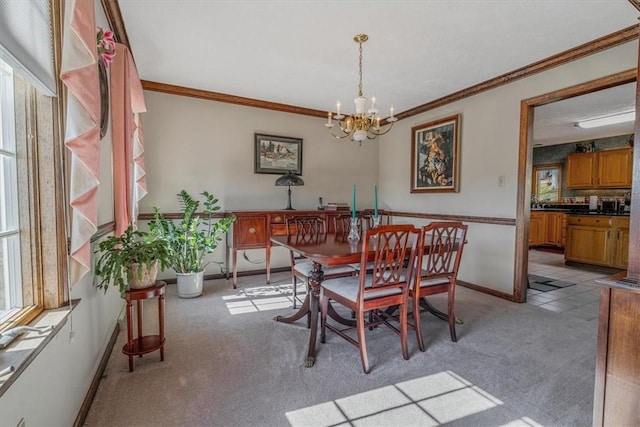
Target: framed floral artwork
{"type": "Point", "coordinates": [435, 156]}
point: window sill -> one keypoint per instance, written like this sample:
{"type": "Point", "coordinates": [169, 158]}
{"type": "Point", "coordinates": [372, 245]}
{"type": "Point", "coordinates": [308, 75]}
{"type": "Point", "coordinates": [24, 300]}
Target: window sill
{"type": "Point", "coordinates": [24, 348]}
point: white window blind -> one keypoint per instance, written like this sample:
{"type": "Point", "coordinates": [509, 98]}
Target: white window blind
{"type": "Point", "coordinates": [26, 41]}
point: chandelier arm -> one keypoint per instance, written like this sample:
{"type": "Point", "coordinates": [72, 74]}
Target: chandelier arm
{"type": "Point", "coordinates": [382, 133]}
{"type": "Point", "coordinates": [340, 136]}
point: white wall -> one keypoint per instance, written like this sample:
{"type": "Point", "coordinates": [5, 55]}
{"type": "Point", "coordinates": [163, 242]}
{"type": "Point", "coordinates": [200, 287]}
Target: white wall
{"type": "Point", "coordinates": [198, 145]}
{"type": "Point", "coordinates": [51, 390]}
{"type": "Point", "coordinates": [489, 148]}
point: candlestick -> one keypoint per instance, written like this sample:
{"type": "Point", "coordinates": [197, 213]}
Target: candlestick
{"type": "Point", "coordinates": [353, 205]}
{"type": "Point", "coordinates": [373, 103]}
{"type": "Point", "coordinates": [338, 108]}
{"type": "Point", "coordinates": [375, 200]}
{"type": "Point", "coordinates": [329, 118]}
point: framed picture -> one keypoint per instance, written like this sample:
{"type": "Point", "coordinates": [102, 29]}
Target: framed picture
{"type": "Point", "coordinates": [277, 154]}
{"type": "Point", "coordinates": [546, 182]}
{"type": "Point", "coordinates": [435, 156]}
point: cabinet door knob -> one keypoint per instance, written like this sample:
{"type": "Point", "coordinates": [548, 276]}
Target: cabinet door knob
{"type": "Point", "coordinates": [252, 230]}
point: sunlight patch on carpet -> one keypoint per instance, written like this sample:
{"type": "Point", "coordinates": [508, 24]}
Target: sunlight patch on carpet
{"type": "Point", "coordinates": [262, 298]}
{"type": "Point", "coordinates": [426, 401]}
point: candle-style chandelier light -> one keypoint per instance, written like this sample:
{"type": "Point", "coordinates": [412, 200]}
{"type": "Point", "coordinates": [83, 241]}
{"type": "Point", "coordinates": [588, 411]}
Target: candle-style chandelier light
{"type": "Point", "coordinates": [363, 124]}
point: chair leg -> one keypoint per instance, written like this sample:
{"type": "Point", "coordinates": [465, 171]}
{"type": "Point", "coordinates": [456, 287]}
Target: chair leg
{"type": "Point", "coordinates": [362, 344]}
{"type": "Point", "coordinates": [403, 331]}
{"type": "Point", "coordinates": [451, 317]}
{"type": "Point", "coordinates": [417, 321]}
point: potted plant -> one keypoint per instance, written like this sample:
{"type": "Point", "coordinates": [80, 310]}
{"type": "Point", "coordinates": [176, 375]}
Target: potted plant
{"type": "Point", "coordinates": [189, 240]}
{"type": "Point", "coordinates": [131, 259]}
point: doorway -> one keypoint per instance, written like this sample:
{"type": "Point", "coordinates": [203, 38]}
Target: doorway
{"type": "Point", "coordinates": [526, 161]}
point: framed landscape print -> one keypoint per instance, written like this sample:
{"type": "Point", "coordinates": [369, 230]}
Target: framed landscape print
{"type": "Point", "coordinates": [277, 154]}
{"type": "Point", "coordinates": [435, 156]}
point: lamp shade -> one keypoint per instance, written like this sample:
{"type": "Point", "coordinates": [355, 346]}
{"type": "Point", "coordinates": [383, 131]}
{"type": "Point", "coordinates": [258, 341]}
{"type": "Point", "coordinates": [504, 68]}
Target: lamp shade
{"type": "Point", "coordinates": [289, 179]}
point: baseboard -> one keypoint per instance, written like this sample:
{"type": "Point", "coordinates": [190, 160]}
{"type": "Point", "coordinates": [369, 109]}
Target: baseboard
{"type": "Point", "coordinates": [484, 290]}
{"type": "Point", "coordinates": [227, 276]}
{"type": "Point", "coordinates": [93, 388]}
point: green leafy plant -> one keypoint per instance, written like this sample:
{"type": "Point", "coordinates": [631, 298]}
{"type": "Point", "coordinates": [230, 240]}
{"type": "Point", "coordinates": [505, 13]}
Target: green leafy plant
{"type": "Point", "coordinates": [194, 236]}
{"type": "Point", "coordinates": [117, 253]}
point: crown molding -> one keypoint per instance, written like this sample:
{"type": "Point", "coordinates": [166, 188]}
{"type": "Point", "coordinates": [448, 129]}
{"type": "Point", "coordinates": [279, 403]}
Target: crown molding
{"type": "Point", "coordinates": [612, 40]}
{"type": "Point", "coordinates": [114, 16]}
{"type": "Point", "coordinates": [231, 99]}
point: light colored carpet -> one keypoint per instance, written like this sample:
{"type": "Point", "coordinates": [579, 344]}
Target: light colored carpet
{"type": "Point", "coordinates": [227, 363]}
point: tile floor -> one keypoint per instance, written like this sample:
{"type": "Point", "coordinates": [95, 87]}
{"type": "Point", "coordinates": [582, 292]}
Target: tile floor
{"type": "Point", "coordinates": [580, 300]}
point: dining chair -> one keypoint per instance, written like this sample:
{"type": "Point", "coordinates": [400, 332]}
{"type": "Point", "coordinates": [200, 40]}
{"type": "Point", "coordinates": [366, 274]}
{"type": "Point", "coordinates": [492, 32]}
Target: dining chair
{"type": "Point", "coordinates": [438, 261]}
{"type": "Point", "coordinates": [309, 230]}
{"type": "Point", "coordinates": [386, 286]}
{"type": "Point", "coordinates": [342, 224]}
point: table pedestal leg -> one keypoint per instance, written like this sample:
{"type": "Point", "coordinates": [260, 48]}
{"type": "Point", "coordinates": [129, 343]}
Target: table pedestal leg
{"type": "Point", "coordinates": [315, 280]}
{"type": "Point", "coordinates": [439, 314]}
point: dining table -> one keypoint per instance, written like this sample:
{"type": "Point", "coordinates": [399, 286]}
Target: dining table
{"type": "Point", "coordinates": [327, 250]}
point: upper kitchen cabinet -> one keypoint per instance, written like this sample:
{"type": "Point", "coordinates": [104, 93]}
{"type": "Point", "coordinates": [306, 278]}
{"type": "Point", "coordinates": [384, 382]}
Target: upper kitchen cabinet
{"type": "Point", "coordinates": [614, 168]}
{"type": "Point", "coordinates": [600, 169]}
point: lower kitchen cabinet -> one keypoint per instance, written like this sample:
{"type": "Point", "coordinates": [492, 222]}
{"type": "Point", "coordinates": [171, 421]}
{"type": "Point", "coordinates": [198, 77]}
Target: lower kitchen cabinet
{"type": "Point", "coordinates": [547, 228]}
{"type": "Point", "coordinates": [598, 239]}
{"type": "Point", "coordinates": [620, 253]}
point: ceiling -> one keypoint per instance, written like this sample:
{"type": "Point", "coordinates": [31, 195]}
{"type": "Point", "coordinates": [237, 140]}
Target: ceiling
{"type": "Point", "coordinates": [302, 53]}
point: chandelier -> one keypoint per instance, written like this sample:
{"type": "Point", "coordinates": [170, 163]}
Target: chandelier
{"type": "Point", "coordinates": [363, 124]}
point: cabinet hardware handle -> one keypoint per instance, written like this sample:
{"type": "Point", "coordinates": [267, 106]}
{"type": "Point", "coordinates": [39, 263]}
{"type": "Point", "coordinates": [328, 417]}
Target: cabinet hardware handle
{"type": "Point", "coordinates": [252, 230]}
{"type": "Point", "coordinates": [277, 219]}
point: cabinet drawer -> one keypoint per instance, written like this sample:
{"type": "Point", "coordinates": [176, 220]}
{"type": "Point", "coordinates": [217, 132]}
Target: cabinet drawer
{"type": "Point", "coordinates": [250, 232]}
{"type": "Point", "coordinates": [590, 221]}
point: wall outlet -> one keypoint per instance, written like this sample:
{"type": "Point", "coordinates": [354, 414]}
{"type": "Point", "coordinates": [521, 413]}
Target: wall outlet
{"type": "Point", "coordinates": [501, 181]}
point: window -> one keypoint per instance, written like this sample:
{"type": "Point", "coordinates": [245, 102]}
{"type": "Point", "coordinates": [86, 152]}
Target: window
{"type": "Point", "coordinates": [32, 236]}
{"type": "Point", "coordinates": [10, 268]}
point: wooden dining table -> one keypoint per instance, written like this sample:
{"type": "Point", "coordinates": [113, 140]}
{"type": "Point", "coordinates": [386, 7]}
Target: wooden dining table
{"type": "Point", "coordinates": [327, 250]}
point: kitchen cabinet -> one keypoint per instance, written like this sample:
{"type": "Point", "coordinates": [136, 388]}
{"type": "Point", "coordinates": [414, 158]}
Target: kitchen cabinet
{"type": "Point", "coordinates": [600, 169]}
{"type": "Point", "coordinates": [581, 169]}
{"type": "Point", "coordinates": [534, 228]}
{"type": "Point", "coordinates": [620, 251]}
{"type": "Point", "coordinates": [598, 239]}
{"type": "Point", "coordinates": [614, 168]}
{"type": "Point", "coordinates": [547, 228]}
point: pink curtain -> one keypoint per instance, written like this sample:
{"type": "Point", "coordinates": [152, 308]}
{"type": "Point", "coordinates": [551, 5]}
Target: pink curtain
{"type": "Point", "coordinates": [79, 73]}
{"type": "Point", "coordinates": [127, 102]}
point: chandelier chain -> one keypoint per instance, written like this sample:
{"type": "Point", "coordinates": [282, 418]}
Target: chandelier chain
{"type": "Point", "coordinates": [360, 68]}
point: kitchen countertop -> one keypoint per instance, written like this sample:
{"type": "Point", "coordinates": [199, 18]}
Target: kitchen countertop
{"type": "Point", "coordinates": [580, 212]}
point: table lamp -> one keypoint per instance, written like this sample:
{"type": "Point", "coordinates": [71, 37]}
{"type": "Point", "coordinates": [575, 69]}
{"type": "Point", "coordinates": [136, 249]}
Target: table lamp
{"type": "Point", "coordinates": [288, 180]}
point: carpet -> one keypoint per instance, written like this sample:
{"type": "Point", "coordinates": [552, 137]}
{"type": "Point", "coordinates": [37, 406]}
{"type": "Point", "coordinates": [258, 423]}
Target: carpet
{"type": "Point", "coordinates": [546, 284]}
{"type": "Point", "coordinates": [227, 363]}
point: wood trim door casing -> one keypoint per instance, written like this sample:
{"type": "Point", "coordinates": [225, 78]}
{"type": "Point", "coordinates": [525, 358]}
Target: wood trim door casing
{"type": "Point", "coordinates": [525, 161]}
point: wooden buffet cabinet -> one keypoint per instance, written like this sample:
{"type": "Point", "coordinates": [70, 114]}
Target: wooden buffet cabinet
{"type": "Point", "coordinates": [598, 239]}
{"type": "Point", "coordinates": [600, 169]}
{"type": "Point", "coordinates": [253, 230]}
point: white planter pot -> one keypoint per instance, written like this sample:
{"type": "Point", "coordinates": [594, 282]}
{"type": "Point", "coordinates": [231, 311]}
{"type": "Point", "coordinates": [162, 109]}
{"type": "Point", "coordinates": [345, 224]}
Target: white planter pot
{"type": "Point", "coordinates": [190, 284]}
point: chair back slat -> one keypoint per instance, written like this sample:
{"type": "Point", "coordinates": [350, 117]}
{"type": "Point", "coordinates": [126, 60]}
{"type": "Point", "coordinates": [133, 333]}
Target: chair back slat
{"type": "Point", "coordinates": [395, 248]}
{"type": "Point", "coordinates": [306, 229]}
{"type": "Point", "coordinates": [342, 224]}
{"type": "Point", "coordinates": [442, 247]}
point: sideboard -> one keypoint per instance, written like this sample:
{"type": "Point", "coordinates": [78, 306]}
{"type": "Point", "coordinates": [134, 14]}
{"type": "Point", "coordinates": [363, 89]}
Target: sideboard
{"type": "Point", "coordinates": [253, 230]}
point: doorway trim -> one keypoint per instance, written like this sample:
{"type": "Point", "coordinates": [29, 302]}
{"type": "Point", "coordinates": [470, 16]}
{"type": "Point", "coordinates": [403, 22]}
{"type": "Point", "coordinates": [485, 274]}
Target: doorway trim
{"type": "Point", "coordinates": [525, 161]}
